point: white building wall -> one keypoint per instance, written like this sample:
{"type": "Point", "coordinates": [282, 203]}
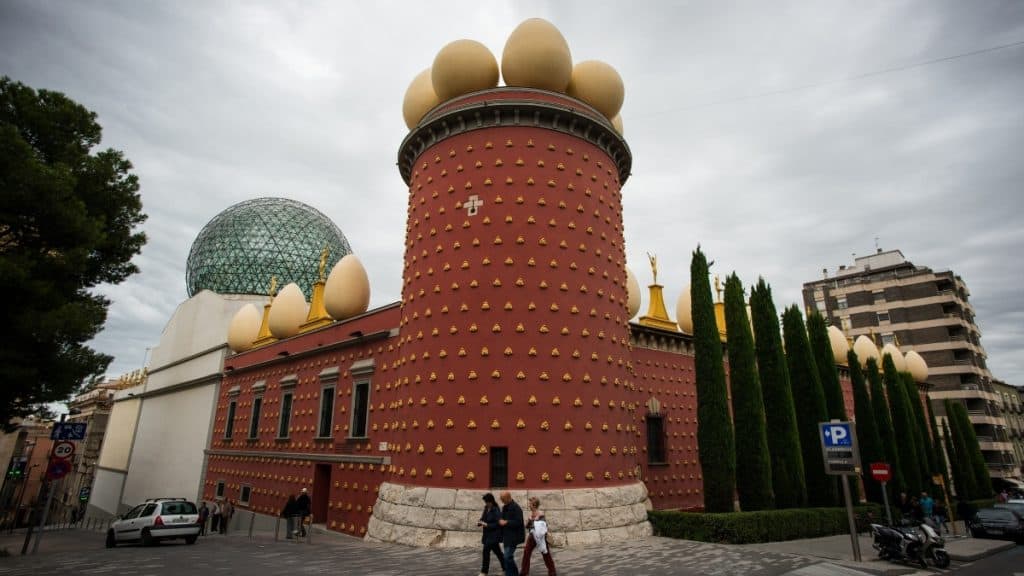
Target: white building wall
{"type": "Point", "coordinates": [106, 493]}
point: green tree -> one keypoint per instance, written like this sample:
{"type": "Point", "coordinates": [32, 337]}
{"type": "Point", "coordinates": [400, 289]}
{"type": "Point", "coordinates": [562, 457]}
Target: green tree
{"type": "Point", "coordinates": [975, 459]}
{"type": "Point", "coordinates": [869, 441]}
{"type": "Point", "coordinates": [880, 407]}
{"type": "Point", "coordinates": [810, 410]}
{"type": "Point", "coordinates": [787, 464]}
{"type": "Point", "coordinates": [753, 463]}
{"type": "Point", "coordinates": [825, 361]}
{"type": "Point", "coordinates": [940, 455]}
{"type": "Point", "coordinates": [903, 424]}
{"type": "Point", "coordinates": [925, 450]}
{"type": "Point", "coordinates": [68, 218]}
{"type": "Point", "coordinates": [959, 461]}
{"type": "Point", "coordinates": [714, 425]}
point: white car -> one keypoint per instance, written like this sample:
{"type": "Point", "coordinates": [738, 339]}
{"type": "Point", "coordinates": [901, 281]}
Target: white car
{"type": "Point", "coordinates": [154, 520]}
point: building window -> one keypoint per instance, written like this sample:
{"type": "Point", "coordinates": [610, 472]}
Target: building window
{"type": "Point", "coordinates": [655, 439]}
{"type": "Point", "coordinates": [229, 427]}
{"type": "Point", "coordinates": [821, 305]}
{"type": "Point", "coordinates": [845, 324]}
{"type": "Point", "coordinates": [888, 338]}
{"type": "Point", "coordinates": [883, 317]}
{"type": "Point", "coordinates": [360, 409]}
{"type": "Point", "coordinates": [326, 412]}
{"type": "Point", "coordinates": [499, 467]}
{"type": "Point", "coordinates": [841, 303]}
{"type": "Point", "coordinates": [244, 494]}
{"type": "Point", "coordinates": [286, 415]}
{"type": "Point", "coordinates": [879, 296]}
{"type": "Point", "coordinates": [220, 489]}
{"type": "Point", "coordinates": [254, 424]}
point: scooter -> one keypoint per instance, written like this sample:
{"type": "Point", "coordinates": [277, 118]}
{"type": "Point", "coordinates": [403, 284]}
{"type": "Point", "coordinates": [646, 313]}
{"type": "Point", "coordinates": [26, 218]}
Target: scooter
{"type": "Point", "coordinates": [908, 545]}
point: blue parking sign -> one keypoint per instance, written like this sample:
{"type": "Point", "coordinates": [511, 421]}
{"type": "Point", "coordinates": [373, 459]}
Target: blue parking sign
{"type": "Point", "coordinates": [836, 434]}
{"type": "Point", "coordinates": [68, 431]}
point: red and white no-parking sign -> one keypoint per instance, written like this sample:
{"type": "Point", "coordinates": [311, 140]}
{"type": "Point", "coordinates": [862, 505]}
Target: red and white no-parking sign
{"type": "Point", "coordinates": [881, 472]}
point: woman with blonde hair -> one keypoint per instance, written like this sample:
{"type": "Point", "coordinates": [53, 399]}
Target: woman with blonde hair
{"type": "Point", "coordinates": [538, 528]}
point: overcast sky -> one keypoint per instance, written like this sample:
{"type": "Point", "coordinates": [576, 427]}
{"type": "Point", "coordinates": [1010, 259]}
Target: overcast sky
{"type": "Point", "coordinates": [784, 137]}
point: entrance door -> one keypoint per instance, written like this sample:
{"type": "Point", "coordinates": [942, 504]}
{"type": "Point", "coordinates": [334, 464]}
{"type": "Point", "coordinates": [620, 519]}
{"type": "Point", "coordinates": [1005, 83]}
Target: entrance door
{"type": "Point", "coordinates": [321, 490]}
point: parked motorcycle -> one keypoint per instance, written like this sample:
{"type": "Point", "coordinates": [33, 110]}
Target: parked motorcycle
{"type": "Point", "coordinates": [908, 545]}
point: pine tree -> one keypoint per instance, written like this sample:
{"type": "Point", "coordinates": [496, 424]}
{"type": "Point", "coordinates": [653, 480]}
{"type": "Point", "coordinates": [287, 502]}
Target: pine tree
{"type": "Point", "coordinates": [975, 459]}
{"type": "Point", "coordinates": [715, 439]}
{"type": "Point", "coordinates": [880, 407]}
{"type": "Point", "coordinates": [925, 451]}
{"type": "Point", "coordinates": [810, 410]}
{"type": "Point", "coordinates": [753, 463]}
{"type": "Point", "coordinates": [902, 423]}
{"type": "Point", "coordinates": [867, 430]}
{"type": "Point", "coordinates": [787, 463]}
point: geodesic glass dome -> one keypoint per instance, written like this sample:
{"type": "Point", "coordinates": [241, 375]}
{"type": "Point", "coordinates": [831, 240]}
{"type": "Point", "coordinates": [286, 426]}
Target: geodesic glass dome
{"type": "Point", "coordinates": [244, 246]}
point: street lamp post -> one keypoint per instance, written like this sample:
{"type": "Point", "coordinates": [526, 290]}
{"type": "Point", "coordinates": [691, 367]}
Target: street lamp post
{"type": "Point", "coordinates": [21, 495]}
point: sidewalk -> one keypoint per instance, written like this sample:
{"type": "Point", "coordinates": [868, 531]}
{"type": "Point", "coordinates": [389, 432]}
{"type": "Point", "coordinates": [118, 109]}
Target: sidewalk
{"type": "Point", "coordinates": [840, 549]}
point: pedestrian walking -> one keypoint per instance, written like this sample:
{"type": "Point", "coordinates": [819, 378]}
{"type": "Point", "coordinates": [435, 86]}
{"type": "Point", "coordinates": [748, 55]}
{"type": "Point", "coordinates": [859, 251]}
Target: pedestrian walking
{"type": "Point", "coordinates": [290, 512]}
{"type": "Point", "coordinates": [537, 528]}
{"type": "Point", "coordinates": [204, 517]}
{"type": "Point", "coordinates": [302, 502]}
{"type": "Point", "coordinates": [226, 511]}
{"type": "Point", "coordinates": [491, 536]}
{"type": "Point", "coordinates": [513, 531]}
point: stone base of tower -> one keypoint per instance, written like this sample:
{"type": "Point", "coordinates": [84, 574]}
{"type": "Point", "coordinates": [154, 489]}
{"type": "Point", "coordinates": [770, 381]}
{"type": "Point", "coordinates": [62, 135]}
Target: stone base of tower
{"type": "Point", "coordinates": [446, 517]}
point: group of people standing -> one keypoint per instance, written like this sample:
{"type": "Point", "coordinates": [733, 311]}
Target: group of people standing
{"type": "Point", "coordinates": [924, 508]}
{"type": "Point", "coordinates": [296, 509]}
{"type": "Point", "coordinates": [506, 526]}
{"type": "Point", "coordinates": [217, 516]}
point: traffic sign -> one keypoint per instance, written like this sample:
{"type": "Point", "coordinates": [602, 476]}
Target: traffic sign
{"type": "Point", "coordinates": [881, 472]}
{"type": "Point", "coordinates": [63, 449]}
{"type": "Point", "coordinates": [68, 431]}
{"type": "Point", "coordinates": [58, 469]}
{"type": "Point", "coordinates": [839, 447]}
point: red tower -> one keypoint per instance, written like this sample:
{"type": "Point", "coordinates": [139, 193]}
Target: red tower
{"type": "Point", "coordinates": [513, 362]}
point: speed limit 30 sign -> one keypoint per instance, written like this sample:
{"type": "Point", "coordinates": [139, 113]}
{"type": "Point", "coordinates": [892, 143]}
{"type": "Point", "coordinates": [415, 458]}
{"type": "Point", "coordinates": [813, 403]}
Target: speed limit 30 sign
{"type": "Point", "coordinates": [63, 450]}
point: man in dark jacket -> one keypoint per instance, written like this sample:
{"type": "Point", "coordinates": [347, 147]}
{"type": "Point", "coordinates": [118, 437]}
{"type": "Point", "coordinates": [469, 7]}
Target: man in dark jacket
{"type": "Point", "coordinates": [302, 508]}
{"type": "Point", "coordinates": [513, 531]}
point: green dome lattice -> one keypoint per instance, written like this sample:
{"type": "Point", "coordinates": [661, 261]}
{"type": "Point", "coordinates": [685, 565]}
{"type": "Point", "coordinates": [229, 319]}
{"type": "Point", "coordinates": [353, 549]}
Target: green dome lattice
{"type": "Point", "coordinates": [242, 247]}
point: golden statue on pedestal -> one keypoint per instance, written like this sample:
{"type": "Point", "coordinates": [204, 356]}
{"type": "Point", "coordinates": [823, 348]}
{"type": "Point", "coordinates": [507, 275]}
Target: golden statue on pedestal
{"type": "Point", "coordinates": [654, 265]}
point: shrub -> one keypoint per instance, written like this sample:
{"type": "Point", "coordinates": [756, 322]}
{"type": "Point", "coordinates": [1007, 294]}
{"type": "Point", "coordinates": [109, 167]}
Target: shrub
{"type": "Point", "coordinates": [761, 526]}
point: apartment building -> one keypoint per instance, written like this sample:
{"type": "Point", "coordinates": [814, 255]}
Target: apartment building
{"type": "Point", "coordinates": [892, 300]}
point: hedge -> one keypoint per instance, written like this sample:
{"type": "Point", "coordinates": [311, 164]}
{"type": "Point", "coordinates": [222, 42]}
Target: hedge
{"type": "Point", "coordinates": [762, 526]}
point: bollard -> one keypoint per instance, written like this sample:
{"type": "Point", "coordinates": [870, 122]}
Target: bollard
{"type": "Point", "coordinates": [252, 521]}
{"type": "Point", "coordinates": [277, 528]}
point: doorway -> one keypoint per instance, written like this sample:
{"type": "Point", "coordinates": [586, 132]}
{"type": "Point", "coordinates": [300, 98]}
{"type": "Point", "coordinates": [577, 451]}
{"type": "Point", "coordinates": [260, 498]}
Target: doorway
{"type": "Point", "coordinates": [321, 492]}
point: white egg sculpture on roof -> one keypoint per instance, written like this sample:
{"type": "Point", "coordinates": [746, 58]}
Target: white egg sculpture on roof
{"type": "Point", "coordinates": [840, 346]}
{"type": "Point", "coordinates": [632, 293]}
{"type": "Point", "coordinates": [897, 356]}
{"type": "Point", "coordinates": [684, 311]}
{"type": "Point", "coordinates": [419, 99]}
{"type": "Point", "coordinates": [599, 85]}
{"type": "Point", "coordinates": [288, 312]}
{"type": "Point", "coordinates": [917, 367]}
{"type": "Point", "coordinates": [244, 328]}
{"type": "Point", "coordinates": [536, 55]}
{"type": "Point", "coordinates": [866, 349]}
{"type": "Point", "coordinates": [347, 292]}
{"type": "Point", "coordinates": [461, 67]}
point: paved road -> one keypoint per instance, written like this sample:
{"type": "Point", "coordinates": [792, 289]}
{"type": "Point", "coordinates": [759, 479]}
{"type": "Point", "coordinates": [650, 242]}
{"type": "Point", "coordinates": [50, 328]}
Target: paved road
{"type": "Point", "coordinates": [1009, 563]}
{"type": "Point", "coordinates": [82, 553]}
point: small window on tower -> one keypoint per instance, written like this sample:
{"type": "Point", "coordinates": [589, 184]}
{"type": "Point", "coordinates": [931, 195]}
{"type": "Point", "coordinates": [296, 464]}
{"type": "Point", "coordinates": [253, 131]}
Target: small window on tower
{"type": "Point", "coordinates": [655, 439]}
{"type": "Point", "coordinates": [499, 467]}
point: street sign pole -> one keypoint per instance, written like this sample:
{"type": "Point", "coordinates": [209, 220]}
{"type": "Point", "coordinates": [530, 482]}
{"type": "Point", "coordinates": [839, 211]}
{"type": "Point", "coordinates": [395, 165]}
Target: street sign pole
{"type": "Point", "coordinates": [58, 431]}
{"type": "Point", "coordinates": [43, 517]}
{"type": "Point", "coordinates": [849, 516]}
{"type": "Point", "coordinates": [842, 458]}
{"type": "Point", "coordinates": [885, 500]}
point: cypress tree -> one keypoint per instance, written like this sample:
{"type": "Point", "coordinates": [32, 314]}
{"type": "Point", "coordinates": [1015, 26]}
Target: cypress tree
{"type": "Point", "coordinates": [824, 359]}
{"type": "Point", "coordinates": [753, 464]}
{"type": "Point", "coordinates": [787, 463]}
{"type": "Point", "coordinates": [925, 452]}
{"type": "Point", "coordinates": [939, 454]}
{"type": "Point", "coordinates": [975, 459]}
{"type": "Point", "coordinates": [867, 430]}
{"type": "Point", "coordinates": [810, 410]}
{"type": "Point", "coordinates": [963, 475]}
{"type": "Point", "coordinates": [880, 407]}
{"type": "Point", "coordinates": [902, 423]}
{"type": "Point", "coordinates": [714, 425]}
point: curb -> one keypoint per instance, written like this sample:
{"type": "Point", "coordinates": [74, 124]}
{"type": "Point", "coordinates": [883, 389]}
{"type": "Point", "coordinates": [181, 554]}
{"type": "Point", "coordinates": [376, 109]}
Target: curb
{"type": "Point", "coordinates": [971, 557]}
